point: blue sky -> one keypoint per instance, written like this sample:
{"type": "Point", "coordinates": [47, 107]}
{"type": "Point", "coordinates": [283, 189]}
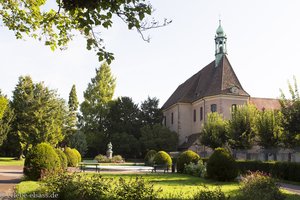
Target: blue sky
{"type": "Point", "coordinates": [263, 48]}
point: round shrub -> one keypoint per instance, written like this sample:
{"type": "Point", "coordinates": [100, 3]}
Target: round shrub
{"type": "Point", "coordinates": [162, 158]}
{"type": "Point", "coordinates": [149, 157]}
{"type": "Point", "coordinates": [102, 159]}
{"type": "Point", "coordinates": [78, 155]}
{"type": "Point", "coordinates": [186, 158]}
{"type": "Point", "coordinates": [221, 166]}
{"type": "Point", "coordinates": [71, 157]}
{"type": "Point", "coordinates": [63, 159]}
{"type": "Point", "coordinates": [257, 185]}
{"type": "Point", "coordinates": [208, 194]}
{"type": "Point", "coordinates": [41, 161]}
{"type": "Point", "coordinates": [117, 159]}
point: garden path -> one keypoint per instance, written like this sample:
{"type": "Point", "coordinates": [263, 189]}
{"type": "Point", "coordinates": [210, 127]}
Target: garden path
{"type": "Point", "coordinates": [9, 177]}
{"type": "Point", "coordinates": [289, 187]}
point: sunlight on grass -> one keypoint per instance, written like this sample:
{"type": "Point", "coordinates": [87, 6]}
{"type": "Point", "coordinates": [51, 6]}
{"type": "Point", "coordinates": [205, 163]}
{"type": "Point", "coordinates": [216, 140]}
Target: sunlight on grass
{"type": "Point", "coordinates": [172, 185]}
{"type": "Point", "coordinates": [9, 161]}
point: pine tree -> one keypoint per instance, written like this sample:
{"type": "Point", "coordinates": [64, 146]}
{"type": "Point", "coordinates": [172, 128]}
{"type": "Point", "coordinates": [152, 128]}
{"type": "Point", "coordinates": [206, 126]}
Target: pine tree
{"type": "Point", "coordinates": [94, 108]}
{"type": "Point", "coordinates": [39, 114]}
{"type": "Point", "coordinates": [71, 124]}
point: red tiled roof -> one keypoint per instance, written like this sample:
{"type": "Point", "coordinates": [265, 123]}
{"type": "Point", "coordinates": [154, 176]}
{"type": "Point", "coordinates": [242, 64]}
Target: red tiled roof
{"type": "Point", "coordinates": [208, 81]}
{"type": "Point", "coordinates": [265, 103]}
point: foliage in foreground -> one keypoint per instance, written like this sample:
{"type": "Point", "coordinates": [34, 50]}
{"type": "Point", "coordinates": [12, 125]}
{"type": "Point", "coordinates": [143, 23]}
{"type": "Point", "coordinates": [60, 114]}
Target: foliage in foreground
{"type": "Point", "coordinates": [209, 194]}
{"type": "Point", "coordinates": [79, 186]}
{"type": "Point", "coordinates": [259, 185]}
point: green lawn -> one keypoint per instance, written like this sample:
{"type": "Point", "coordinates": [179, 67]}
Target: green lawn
{"type": "Point", "coordinates": [9, 161]}
{"type": "Point", "coordinates": [171, 184]}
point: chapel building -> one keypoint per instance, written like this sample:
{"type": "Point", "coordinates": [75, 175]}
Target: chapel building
{"type": "Point", "coordinates": [215, 88]}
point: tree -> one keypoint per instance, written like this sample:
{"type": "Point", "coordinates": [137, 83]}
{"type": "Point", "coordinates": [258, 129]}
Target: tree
{"type": "Point", "coordinates": [123, 116]}
{"type": "Point", "coordinates": [6, 117]}
{"type": "Point", "coordinates": [39, 114]}
{"type": "Point", "coordinates": [126, 145]}
{"type": "Point", "coordinates": [290, 109]}
{"type": "Point", "coordinates": [213, 133]}
{"type": "Point", "coordinates": [71, 123]}
{"type": "Point", "coordinates": [158, 137]}
{"type": "Point", "coordinates": [78, 141]}
{"type": "Point", "coordinates": [240, 127]}
{"type": "Point", "coordinates": [94, 108]}
{"type": "Point", "coordinates": [3, 105]}
{"type": "Point", "coordinates": [150, 112]}
{"type": "Point", "coordinates": [268, 128]}
{"type": "Point", "coordinates": [55, 24]}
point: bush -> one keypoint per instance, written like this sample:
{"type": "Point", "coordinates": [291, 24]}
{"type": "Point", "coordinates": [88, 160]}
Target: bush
{"type": "Point", "coordinates": [258, 185]}
{"type": "Point", "coordinates": [186, 158]}
{"type": "Point", "coordinates": [63, 159]}
{"type": "Point", "coordinates": [78, 155]}
{"type": "Point", "coordinates": [102, 159]}
{"type": "Point", "coordinates": [117, 159]}
{"type": "Point", "coordinates": [162, 158]}
{"type": "Point", "coordinates": [79, 186]}
{"type": "Point", "coordinates": [193, 169]}
{"type": "Point", "coordinates": [149, 157]}
{"type": "Point", "coordinates": [208, 194]}
{"type": "Point", "coordinates": [41, 161]}
{"type": "Point", "coordinates": [72, 157]}
{"type": "Point", "coordinates": [136, 188]}
{"type": "Point", "coordinates": [221, 166]}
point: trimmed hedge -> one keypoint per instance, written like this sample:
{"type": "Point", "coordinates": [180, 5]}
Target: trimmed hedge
{"type": "Point", "coordinates": [221, 166]}
{"type": "Point", "coordinates": [162, 158]}
{"type": "Point", "coordinates": [283, 170]}
{"type": "Point", "coordinates": [72, 157]}
{"type": "Point", "coordinates": [63, 159]}
{"type": "Point", "coordinates": [41, 161]}
{"type": "Point", "coordinates": [186, 158]}
{"type": "Point", "coordinates": [149, 157]}
{"type": "Point", "coordinates": [77, 154]}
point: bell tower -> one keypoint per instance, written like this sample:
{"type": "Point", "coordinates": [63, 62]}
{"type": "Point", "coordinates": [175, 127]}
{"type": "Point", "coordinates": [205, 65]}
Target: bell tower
{"type": "Point", "coordinates": [221, 44]}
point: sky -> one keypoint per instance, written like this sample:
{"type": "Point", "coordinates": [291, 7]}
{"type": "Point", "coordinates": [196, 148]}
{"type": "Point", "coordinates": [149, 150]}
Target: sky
{"type": "Point", "coordinates": [262, 45]}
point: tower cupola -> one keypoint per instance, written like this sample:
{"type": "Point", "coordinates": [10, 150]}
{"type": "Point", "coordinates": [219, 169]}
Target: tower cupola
{"type": "Point", "coordinates": [221, 44]}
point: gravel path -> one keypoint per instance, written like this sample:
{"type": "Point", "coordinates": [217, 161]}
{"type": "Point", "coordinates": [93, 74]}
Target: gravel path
{"type": "Point", "coordinates": [292, 188]}
{"type": "Point", "coordinates": [9, 177]}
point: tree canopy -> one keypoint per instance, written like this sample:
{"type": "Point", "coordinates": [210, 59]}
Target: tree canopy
{"type": "Point", "coordinates": [55, 23]}
{"type": "Point", "coordinates": [39, 114]}
{"type": "Point", "coordinates": [213, 133]}
{"type": "Point", "coordinates": [290, 108]}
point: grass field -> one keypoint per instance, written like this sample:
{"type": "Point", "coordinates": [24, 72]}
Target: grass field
{"type": "Point", "coordinates": [9, 161]}
{"type": "Point", "coordinates": [183, 186]}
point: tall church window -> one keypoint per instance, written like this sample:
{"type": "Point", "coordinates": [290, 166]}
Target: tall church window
{"type": "Point", "coordinates": [172, 118]}
{"type": "Point", "coordinates": [165, 120]}
{"type": "Point", "coordinates": [201, 113]}
{"type": "Point", "coordinates": [194, 115]}
{"type": "Point", "coordinates": [213, 107]}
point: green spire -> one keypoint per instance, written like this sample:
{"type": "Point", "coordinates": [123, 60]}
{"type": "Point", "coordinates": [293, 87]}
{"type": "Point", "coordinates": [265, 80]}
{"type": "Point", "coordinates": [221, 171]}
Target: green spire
{"type": "Point", "coordinates": [220, 42]}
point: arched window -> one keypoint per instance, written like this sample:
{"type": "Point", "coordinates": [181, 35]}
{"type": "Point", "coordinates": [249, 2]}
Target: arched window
{"type": "Point", "coordinates": [213, 107]}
